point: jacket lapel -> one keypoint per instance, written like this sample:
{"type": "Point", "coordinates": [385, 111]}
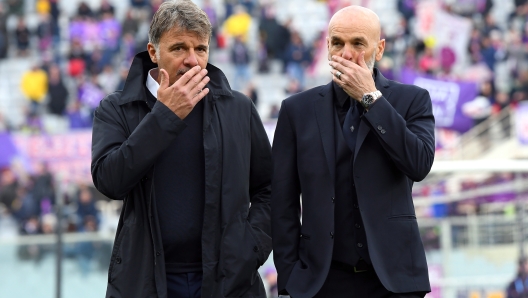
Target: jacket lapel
{"type": "Point", "coordinates": [382, 84]}
{"type": "Point", "coordinates": [324, 111]}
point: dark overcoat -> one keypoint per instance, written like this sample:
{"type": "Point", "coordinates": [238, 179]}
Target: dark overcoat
{"type": "Point", "coordinates": [129, 134]}
{"type": "Point", "coordinates": [395, 146]}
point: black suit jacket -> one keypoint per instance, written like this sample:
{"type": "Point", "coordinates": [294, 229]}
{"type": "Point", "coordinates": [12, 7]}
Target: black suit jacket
{"type": "Point", "coordinates": [395, 147]}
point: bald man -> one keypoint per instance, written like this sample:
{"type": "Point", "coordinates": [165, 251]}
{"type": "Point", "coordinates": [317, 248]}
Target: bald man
{"type": "Point", "coordinates": [352, 149]}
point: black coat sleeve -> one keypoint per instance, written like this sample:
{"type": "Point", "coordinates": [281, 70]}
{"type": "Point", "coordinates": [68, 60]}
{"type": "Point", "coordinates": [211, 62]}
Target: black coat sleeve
{"type": "Point", "coordinates": [285, 200]}
{"type": "Point", "coordinates": [121, 158]}
{"type": "Point", "coordinates": [408, 141]}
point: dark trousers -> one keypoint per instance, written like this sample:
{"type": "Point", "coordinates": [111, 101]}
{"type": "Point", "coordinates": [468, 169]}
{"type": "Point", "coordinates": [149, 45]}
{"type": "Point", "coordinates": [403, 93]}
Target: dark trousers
{"type": "Point", "coordinates": [343, 282]}
{"type": "Point", "coordinates": [184, 285]}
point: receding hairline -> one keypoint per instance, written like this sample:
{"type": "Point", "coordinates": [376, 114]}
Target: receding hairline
{"type": "Point", "coordinates": [356, 11]}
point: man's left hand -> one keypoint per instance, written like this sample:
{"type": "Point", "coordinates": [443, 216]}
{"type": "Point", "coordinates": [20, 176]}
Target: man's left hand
{"type": "Point", "coordinates": [356, 78]}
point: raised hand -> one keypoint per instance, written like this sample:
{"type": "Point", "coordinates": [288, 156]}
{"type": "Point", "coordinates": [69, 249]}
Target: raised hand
{"type": "Point", "coordinates": [356, 78]}
{"type": "Point", "coordinates": [185, 93]}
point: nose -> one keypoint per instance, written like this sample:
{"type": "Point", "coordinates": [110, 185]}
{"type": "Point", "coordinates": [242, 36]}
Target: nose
{"type": "Point", "coordinates": [347, 53]}
{"type": "Point", "coordinates": [191, 61]}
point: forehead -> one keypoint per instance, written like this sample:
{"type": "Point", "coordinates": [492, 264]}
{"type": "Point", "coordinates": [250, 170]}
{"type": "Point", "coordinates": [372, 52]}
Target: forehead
{"type": "Point", "coordinates": [351, 26]}
{"type": "Point", "coordinates": [181, 35]}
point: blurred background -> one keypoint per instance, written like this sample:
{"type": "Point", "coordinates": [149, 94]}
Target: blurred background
{"type": "Point", "coordinates": [59, 58]}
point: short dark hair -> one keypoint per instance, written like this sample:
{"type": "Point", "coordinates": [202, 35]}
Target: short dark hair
{"type": "Point", "coordinates": [182, 14]}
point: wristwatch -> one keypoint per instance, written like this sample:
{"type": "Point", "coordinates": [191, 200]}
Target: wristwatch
{"type": "Point", "coordinates": [370, 98]}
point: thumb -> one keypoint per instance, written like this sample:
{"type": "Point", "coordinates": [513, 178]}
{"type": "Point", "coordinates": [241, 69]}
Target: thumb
{"type": "Point", "coordinates": [164, 79]}
{"type": "Point", "coordinates": [361, 60]}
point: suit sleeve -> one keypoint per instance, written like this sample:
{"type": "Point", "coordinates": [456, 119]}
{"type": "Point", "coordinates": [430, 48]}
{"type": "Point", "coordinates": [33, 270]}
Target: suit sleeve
{"type": "Point", "coordinates": [120, 159]}
{"type": "Point", "coordinates": [408, 141]}
{"type": "Point", "coordinates": [260, 175]}
{"type": "Point", "coordinates": [285, 199]}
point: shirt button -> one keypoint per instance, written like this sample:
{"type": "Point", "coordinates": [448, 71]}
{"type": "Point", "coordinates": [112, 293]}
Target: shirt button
{"type": "Point", "coordinates": [333, 200]}
{"type": "Point", "coordinates": [356, 206]}
{"type": "Point", "coordinates": [158, 253]}
{"type": "Point", "coordinates": [332, 235]}
{"type": "Point", "coordinates": [352, 128]}
{"type": "Point", "coordinates": [118, 260]}
{"type": "Point", "coordinates": [360, 245]}
{"type": "Point", "coordinates": [358, 226]}
{"type": "Point", "coordinates": [255, 249]}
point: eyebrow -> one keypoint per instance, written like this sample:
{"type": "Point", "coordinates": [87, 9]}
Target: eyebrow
{"type": "Point", "coordinates": [360, 38]}
{"type": "Point", "coordinates": [183, 45]}
{"type": "Point", "coordinates": [176, 45]}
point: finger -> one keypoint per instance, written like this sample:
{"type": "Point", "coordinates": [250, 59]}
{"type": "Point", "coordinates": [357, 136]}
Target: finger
{"type": "Point", "coordinates": [344, 62]}
{"type": "Point", "coordinates": [200, 86]}
{"type": "Point", "coordinates": [184, 80]}
{"type": "Point", "coordinates": [196, 79]}
{"type": "Point", "coordinates": [336, 67]}
{"type": "Point", "coordinates": [200, 95]}
{"type": "Point", "coordinates": [361, 60]}
{"type": "Point", "coordinates": [164, 79]}
{"type": "Point", "coordinates": [337, 81]}
{"type": "Point", "coordinates": [334, 73]}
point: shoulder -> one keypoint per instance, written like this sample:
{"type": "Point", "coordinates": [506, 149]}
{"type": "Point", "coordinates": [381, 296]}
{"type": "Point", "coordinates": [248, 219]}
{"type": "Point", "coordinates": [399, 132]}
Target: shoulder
{"type": "Point", "coordinates": [406, 88]}
{"type": "Point", "coordinates": [109, 103]}
{"type": "Point", "coordinates": [299, 99]}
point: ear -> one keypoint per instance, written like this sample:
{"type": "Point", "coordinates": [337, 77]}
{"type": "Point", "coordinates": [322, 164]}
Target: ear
{"type": "Point", "coordinates": [381, 50]}
{"type": "Point", "coordinates": [328, 48]}
{"type": "Point", "coordinates": [152, 52]}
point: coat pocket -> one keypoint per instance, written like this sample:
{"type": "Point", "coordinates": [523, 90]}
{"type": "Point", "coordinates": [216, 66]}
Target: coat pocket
{"type": "Point", "coordinates": [241, 255]}
{"type": "Point", "coordinates": [402, 217]}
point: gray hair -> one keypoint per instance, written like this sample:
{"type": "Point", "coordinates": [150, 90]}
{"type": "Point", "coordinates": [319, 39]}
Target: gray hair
{"type": "Point", "coordinates": [181, 14]}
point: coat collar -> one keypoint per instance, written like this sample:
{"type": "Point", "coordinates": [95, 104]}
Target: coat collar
{"type": "Point", "coordinates": [324, 111]}
{"type": "Point", "coordinates": [135, 88]}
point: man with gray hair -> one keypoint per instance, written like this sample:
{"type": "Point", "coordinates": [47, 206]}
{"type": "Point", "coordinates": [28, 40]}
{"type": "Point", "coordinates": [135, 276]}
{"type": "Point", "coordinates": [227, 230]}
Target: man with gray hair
{"type": "Point", "coordinates": [353, 149]}
{"type": "Point", "coordinates": [191, 161]}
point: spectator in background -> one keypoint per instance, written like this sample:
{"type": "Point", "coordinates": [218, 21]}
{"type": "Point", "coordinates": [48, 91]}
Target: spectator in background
{"type": "Point", "coordinates": [79, 116]}
{"type": "Point", "coordinates": [238, 24]}
{"type": "Point", "coordinates": [22, 35]}
{"type": "Point", "coordinates": [251, 92]}
{"type": "Point", "coordinates": [43, 7]}
{"type": "Point", "coordinates": [57, 92]}
{"type": "Point", "coordinates": [274, 112]}
{"type": "Point", "coordinates": [139, 3]}
{"type": "Point", "coordinates": [297, 57]}
{"type": "Point", "coordinates": [44, 32]}
{"type": "Point", "coordinates": [90, 93]}
{"type": "Point", "coordinates": [293, 87]}
{"type": "Point", "coordinates": [34, 86]}
{"type": "Point", "coordinates": [110, 35]}
{"type": "Point", "coordinates": [518, 288]}
{"type": "Point", "coordinates": [84, 11]}
{"type": "Point", "coordinates": [240, 58]}
{"type": "Point", "coordinates": [8, 188]}
{"type": "Point", "coordinates": [108, 79]}
{"type": "Point", "coordinates": [428, 62]}
{"type": "Point", "coordinates": [16, 7]}
{"type": "Point", "coordinates": [520, 87]}
{"type": "Point", "coordinates": [210, 11]}
{"type": "Point", "coordinates": [130, 24]}
{"type": "Point", "coordinates": [262, 57]}
{"type": "Point", "coordinates": [43, 191]}
{"type": "Point", "coordinates": [3, 33]}
{"type": "Point", "coordinates": [86, 206]}
{"type": "Point", "coordinates": [106, 8]}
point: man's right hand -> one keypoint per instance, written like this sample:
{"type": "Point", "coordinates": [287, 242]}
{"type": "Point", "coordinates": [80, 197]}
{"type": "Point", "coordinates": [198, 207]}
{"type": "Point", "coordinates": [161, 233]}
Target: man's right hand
{"type": "Point", "coordinates": [185, 93]}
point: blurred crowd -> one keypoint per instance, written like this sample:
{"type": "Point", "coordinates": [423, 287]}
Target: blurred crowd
{"type": "Point", "coordinates": [81, 57]}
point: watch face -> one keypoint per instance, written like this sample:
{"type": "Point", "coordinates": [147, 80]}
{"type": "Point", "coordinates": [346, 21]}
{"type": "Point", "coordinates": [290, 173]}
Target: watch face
{"type": "Point", "coordinates": [368, 99]}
